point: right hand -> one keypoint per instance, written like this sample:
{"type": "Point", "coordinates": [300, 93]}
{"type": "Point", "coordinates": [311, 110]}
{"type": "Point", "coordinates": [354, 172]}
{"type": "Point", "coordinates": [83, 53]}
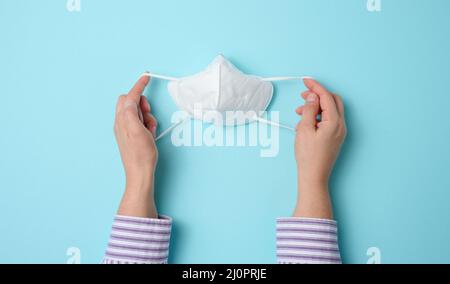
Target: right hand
{"type": "Point", "coordinates": [317, 146]}
{"type": "Point", "coordinates": [135, 130]}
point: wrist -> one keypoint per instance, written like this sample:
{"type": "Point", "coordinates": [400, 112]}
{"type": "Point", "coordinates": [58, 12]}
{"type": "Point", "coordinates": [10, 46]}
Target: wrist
{"type": "Point", "coordinates": [140, 182]}
{"type": "Point", "coordinates": [139, 187]}
{"type": "Point", "coordinates": [309, 183]}
{"type": "Point", "coordinates": [138, 205]}
{"type": "Point", "coordinates": [138, 192]}
{"type": "Point", "coordinates": [138, 199]}
{"type": "Point", "coordinates": [313, 199]}
{"type": "Point", "coordinates": [314, 203]}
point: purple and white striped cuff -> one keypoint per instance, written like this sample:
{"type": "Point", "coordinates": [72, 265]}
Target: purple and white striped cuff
{"type": "Point", "coordinates": [307, 241]}
{"type": "Point", "coordinates": [136, 240]}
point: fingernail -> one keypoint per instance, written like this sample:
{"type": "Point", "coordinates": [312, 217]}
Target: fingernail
{"type": "Point", "coordinates": [307, 77]}
{"type": "Point", "coordinates": [153, 130]}
{"type": "Point", "coordinates": [312, 98]}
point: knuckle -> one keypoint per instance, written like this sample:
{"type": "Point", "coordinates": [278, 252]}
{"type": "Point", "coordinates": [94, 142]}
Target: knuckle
{"type": "Point", "coordinates": [335, 125]}
{"type": "Point", "coordinates": [128, 111]}
{"type": "Point", "coordinates": [116, 126]}
{"type": "Point", "coordinates": [120, 101]}
{"type": "Point", "coordinates": [310, 109]}
{"type": "Point", "coordinates": [121, 98]}
{"type": "Point", "coordinates": [122, 115]}
{"type": "Point", "coordinates": [342, 132]}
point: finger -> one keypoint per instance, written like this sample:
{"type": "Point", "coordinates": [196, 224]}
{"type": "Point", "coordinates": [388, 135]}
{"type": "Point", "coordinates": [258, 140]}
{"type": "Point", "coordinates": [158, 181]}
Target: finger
{"type": "Point", "coordinates": [140, 115]}
{"type": "Point", "coordinates": [119, 109]}
{"type": "Point", "coordinates": [327, 103]}
{"type": "Point", "coordinates": [120, 103]}
{"type": "Point", "coordinates": [145, 106]}
{"type": "Point", "coordinates": [339, 104]}
{"type": "Point", "coordinates": [338, 100]}
{"type": "Point", "coordinates": [150, 123]}
{"type": "Point", "coordinates": [138, 89]}
{"type": "Point", "coordinates": [310, 112]}
{"type": "Point", "coordinates": [305, 94]}
{"type": "Point", "coordinates": [131, 113]}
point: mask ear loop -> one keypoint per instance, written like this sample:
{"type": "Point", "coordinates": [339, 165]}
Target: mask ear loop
{"type": "Point", "coordinates": [287, 78]}
{"type": "Point", "coordinates": [273, 123]}
{"type": "Point", "coordinates": [259, 119]}
{"type": "Point", "coordinates": [170, 129]}
{"type": "Point", "coordinates": [162, 77]}
{"type": "Point", "coordinates": [278, 79]}
{"type": "Point", "coordinates": [175, 125]}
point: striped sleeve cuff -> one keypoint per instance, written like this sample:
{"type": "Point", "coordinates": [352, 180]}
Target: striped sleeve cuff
{"type": "Point", "coordinates": [307, 241]}
{"type": "Point", "coordinates": [136, 240]}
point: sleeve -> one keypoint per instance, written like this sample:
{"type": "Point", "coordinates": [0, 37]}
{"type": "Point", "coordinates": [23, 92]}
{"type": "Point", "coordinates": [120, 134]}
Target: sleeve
{"type": "Point", "coordinates": [139, 241]}
{"type": "Point", "coordinates": [307, 241]}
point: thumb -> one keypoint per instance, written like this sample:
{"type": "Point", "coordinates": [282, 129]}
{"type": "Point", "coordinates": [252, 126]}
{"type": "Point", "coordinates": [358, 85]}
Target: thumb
{"type": "Point", "coordinates": [310, 111]}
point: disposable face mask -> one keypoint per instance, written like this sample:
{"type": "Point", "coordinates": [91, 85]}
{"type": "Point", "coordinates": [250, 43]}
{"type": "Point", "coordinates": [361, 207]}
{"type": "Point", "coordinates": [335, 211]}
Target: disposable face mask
{"type": "Point", "coordinates": [222, 88]}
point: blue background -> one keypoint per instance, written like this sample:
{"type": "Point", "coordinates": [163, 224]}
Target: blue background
{"type": "Point", "coordinates": [60, 172]}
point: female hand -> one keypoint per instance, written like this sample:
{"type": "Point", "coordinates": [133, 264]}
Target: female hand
{"type": "Point", "coordinates": [318, 143]}
{"type": "Point", "coordinates": [135, 130]}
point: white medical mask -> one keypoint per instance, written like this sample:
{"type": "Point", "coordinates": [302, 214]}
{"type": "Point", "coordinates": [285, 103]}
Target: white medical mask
{"type": "Point", "coordinates": [222, 88]}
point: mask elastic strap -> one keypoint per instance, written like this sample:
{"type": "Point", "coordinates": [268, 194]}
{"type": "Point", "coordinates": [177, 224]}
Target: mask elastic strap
{"type": "Point", "coordinates": [175, 125]}
{"type": "Point", "coordinates": [259, 119]}
{"type": "Point", "coordinates": [277, 79]}
{"type": "Point", "coordinates": [273, 123]}
{"type": "Point", "coordinates": [170, 129]}
{"type": "Point", "coordinates": [162, 77]}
